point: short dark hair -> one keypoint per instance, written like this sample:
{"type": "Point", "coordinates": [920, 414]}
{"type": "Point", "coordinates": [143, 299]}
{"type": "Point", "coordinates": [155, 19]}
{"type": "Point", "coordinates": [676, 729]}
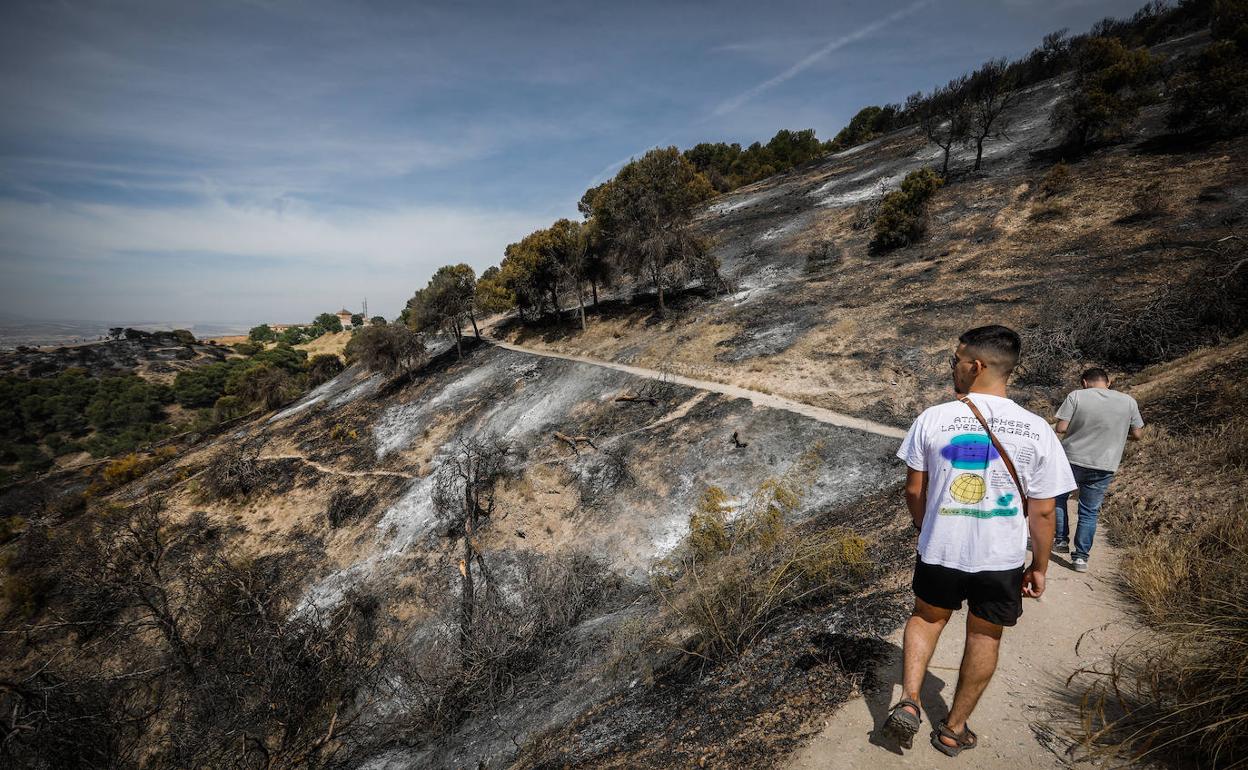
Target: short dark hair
{"type": "Point", "coordinates": [1000, 344]}
{"type": "Point", "coordinates": [1095, 374]}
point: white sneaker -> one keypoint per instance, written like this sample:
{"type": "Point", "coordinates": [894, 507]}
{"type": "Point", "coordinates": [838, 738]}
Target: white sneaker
{"type": "Point", "coordinates": [1081, 564]}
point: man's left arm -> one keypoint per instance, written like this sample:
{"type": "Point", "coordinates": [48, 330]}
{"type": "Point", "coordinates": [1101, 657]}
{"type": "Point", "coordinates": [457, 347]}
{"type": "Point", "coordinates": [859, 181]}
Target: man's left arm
{"type": "Point", "coordinates": [1137, 423]}
{"type": "Point", "coordinates": [1042, 523]}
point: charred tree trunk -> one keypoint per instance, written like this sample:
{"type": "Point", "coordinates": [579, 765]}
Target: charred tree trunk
{"type": "Point", "coordinates": [656, 274]}
{"type": "Point", "coordinates": [473, 317]}
{"type": "Point", "coordinates": [467, 599]}
{"type": "Point", "coordinates": [453, 328]}
{"type": "Point", "coordinates": [594, 286]}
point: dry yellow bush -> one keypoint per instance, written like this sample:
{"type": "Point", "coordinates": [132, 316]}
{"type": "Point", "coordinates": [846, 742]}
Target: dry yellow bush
{"type": "Point", "coordinates": [739, 569]}
{"type": "Point", "coordinates": [131, 466]}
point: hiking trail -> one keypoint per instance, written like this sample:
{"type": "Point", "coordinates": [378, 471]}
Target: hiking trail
{"type": "Point", "coordinates": [758, 398]}
{"type": "Point", "coordinates": [1024, 718]}
{"type": "Point", "coordinates": [331, 470]}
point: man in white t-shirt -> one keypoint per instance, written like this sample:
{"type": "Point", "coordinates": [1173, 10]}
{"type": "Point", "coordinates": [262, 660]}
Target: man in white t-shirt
{"type": "Point", "coordinates": [965, 499]}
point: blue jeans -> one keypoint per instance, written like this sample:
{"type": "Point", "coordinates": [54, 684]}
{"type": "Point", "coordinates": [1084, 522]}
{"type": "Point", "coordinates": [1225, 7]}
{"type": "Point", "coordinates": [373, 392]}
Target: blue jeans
{"type": "Point", "coordinates": [1092, 487]}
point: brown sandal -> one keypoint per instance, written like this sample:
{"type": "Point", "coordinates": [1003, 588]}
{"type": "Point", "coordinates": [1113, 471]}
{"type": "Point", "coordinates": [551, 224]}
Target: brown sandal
{"type": "Point", "coordinates": [964, 740]}
{"type": "Point", "coordinates": [902, 724]}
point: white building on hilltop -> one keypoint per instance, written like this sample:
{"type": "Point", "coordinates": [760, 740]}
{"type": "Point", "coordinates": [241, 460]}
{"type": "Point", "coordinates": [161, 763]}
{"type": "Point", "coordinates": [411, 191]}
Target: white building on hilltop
{"type": "Point", "coordinates": [344, 316]}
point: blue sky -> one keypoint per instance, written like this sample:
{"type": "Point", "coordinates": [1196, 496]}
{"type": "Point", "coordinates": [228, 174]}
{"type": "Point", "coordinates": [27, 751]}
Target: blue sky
{"type": "Point", "coordinates": [272, 159]}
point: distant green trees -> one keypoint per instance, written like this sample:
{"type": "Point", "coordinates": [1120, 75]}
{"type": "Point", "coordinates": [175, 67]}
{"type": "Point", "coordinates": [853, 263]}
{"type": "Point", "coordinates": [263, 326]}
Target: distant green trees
{"type": "Point", "coordinates": [377, 320]}
{"type": "Point", "coordinates": [639, 223]}
{"type": "Point", "coordinates": [73, 412]}
{"type": "Point", "coordinates": [203, 386]}
{"type": "Point", "coordinates": [446, 304]}
{"type": "Point", "coordinates": [728, 166]}
{"type": "Point", "coordinates": [1211, 95]}
{"type": "Point", "coordinates": [390, 348]}
{"type": "Point", "coordinates": [262, 333]}
{"type": "Point", "coordinates": [1109, 86]}
{"type": "Point", "coordinates": [297, 335]}
{"type": "Point", "coordinates": [328, 322]}
{"type": "Point", "coordinates": [867, 124]}
{"type": "Point", "coordinates": [645, 217]}
{"type": "Point", "coordinates": [491, 294]}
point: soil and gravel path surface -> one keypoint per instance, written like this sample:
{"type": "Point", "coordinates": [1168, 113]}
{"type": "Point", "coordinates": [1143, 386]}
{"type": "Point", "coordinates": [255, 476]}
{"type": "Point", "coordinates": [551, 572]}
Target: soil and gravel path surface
{"type": "Point", "coordinates": [756, 397]}
{"type": "Point", "coordinates": [1025, 717]}
{"type": "Point", "coordinates": [334, 471]}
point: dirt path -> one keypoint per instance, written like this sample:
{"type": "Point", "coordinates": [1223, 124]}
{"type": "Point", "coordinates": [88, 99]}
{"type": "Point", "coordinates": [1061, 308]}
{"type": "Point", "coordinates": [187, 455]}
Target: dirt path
{"type": "Point", "coordinates": [1024, 718]}
{"type": "Point", "coordinates": [754, 396]}
{"type": "Point", "coordinates": [334, 471]}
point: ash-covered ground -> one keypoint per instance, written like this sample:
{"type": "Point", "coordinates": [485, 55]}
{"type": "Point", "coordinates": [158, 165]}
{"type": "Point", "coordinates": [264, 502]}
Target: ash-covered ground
{"type": "Point", "coordinates": [623, 497]}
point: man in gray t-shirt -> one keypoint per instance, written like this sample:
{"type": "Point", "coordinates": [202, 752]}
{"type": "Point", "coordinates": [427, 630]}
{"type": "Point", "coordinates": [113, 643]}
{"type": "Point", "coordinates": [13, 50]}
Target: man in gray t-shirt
{"type": "Point", "coordinates": [1094, 423]}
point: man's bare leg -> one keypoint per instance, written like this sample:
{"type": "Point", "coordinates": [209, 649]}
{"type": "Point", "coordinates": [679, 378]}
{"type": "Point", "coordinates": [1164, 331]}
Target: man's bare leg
{"type": "Point", "coordinates": [979, 661]}
{"type": "Point", "coordinates": [919, 642]}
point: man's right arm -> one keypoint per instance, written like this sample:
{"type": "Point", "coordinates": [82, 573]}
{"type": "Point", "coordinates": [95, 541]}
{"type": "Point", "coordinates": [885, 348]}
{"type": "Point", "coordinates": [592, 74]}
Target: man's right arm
{"type": "Point", "coordinates": [1064, 413]}
{"type": "Point", "coordinates": [916, 495]}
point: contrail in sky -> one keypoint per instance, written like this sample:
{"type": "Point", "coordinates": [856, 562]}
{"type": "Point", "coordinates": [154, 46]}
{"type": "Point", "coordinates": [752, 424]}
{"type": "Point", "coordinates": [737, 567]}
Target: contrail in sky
{"type": "Point", "coordinates": [731, 104]}
{"type": "Point", "coordinates": [806, 63]}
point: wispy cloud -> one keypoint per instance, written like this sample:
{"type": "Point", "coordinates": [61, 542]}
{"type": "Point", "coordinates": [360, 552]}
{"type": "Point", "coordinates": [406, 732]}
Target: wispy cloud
{"type": "Point", "coordinates": [729, 105]}
{"type": "Point", "coordinates": [732, 104]}
{"type": "Point", "coordinates": [186, 259]}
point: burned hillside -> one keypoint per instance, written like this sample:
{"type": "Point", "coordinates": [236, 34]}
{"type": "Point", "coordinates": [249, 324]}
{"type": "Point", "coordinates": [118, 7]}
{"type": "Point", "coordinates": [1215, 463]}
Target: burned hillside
{"type": "Point", "coordinates": [647, 514]}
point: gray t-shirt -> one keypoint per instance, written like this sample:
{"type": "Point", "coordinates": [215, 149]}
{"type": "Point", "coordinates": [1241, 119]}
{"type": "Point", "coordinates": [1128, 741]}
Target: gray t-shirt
{"type": "Point", "coordinates": [1099, 422]}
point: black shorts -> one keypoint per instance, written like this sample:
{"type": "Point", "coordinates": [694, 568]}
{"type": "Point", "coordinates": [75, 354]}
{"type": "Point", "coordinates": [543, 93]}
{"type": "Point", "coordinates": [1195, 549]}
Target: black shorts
{"type": "Point", "coordinates": [994, 595]}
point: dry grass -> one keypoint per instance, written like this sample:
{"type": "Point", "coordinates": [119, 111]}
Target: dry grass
{"type": "Point", "coordinates": [333, 343]}
{"type": "Point", "coordinates": [737, 573]}
{"type": "Point", "coordinates": [1182, 689]}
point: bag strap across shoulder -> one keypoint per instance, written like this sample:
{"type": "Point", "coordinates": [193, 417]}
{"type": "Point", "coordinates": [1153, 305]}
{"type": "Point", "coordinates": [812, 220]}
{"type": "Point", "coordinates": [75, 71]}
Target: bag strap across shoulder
{"type": "Point", "coordinates": [1005, 457]}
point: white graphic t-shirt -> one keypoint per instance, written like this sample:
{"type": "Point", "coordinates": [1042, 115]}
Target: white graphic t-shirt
{"type": "Point", "coordinates": [974, 520]}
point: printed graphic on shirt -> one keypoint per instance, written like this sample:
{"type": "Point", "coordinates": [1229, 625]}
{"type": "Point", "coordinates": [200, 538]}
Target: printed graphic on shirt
{"type": "Point", "coordinates": [968, 488]}
{"type": "Point", "coordinates": [969, 451]}
{"type": "Point", "coordinates": [1003, 507]}
{"type": "Point", "coordinates": [974, 451]}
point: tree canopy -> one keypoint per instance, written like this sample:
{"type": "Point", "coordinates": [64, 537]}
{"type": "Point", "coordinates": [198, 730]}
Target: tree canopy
{"type": "Point", "coordinates": [646, 217]}
{"type": "Point", "coordinates": [445, 304]}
